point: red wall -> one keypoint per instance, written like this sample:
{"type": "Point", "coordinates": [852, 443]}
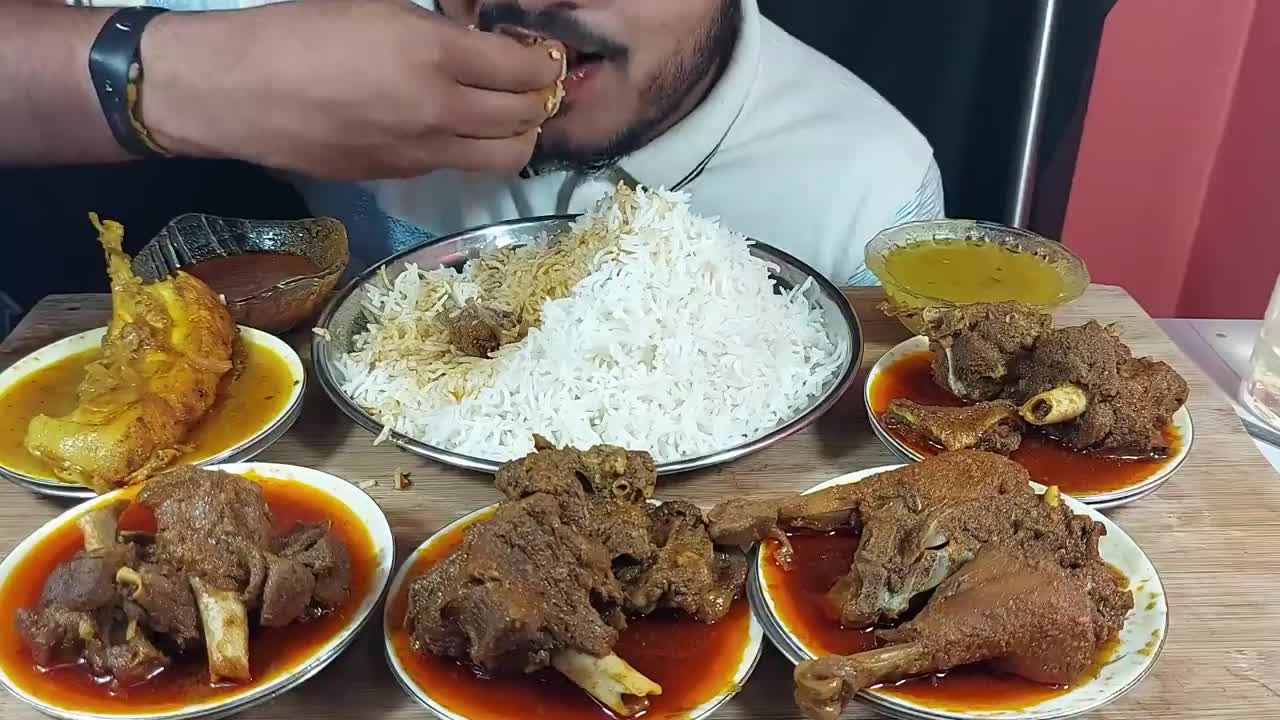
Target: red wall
{"type": "Point", "coordinates": [1176, 194]}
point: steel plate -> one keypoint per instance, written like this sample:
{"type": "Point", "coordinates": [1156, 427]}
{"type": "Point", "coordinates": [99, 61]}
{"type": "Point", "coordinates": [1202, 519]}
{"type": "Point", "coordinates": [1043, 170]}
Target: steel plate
{"type": "Point", "coordinates": [344, 318]}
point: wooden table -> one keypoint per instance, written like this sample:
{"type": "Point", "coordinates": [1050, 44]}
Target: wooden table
{"type": "Point", "coordinates": [1213, 531]}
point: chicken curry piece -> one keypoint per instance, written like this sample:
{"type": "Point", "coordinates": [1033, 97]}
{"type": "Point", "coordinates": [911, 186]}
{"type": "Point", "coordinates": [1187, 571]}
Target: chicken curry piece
{"type": "Point", "coordinates": [166, 350]}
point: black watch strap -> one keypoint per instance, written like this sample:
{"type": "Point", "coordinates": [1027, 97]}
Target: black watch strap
{"type": "Point", "coordinates": [115, 67]}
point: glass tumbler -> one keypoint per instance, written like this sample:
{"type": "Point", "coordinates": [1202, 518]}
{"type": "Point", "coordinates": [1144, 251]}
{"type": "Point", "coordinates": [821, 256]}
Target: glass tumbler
{"type": "Point", "coordinates": [1260, 390]}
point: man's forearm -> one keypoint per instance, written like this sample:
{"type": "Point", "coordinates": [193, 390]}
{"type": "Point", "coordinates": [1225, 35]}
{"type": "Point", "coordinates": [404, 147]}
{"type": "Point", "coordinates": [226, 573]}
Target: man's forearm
{"type": "Point", "coordinates": [48, 110]}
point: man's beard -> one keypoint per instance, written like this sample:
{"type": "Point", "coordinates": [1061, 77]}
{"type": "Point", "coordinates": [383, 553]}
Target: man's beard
{"type": "Point", "coordinates": [671, 89]}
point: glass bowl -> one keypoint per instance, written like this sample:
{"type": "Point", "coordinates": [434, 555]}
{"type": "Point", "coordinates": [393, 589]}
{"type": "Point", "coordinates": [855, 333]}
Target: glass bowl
{"type": "Point", "coordinates": [905, 299]}
{"type": "Point", "coordinates": [283, 303]}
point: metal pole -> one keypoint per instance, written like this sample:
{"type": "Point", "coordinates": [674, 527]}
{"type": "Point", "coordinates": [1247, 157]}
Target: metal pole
{"type": "Point", "coordinates": [1033, 115]}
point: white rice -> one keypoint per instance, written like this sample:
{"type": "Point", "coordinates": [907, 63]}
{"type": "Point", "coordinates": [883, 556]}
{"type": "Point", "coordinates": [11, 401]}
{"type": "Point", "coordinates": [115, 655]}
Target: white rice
{"type": "Point", "coordinates": [675, 343]}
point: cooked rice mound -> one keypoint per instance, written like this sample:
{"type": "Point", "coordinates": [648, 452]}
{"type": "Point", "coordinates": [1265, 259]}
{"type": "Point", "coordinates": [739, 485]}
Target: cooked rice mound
{"type": "Point", "coordinates": [643, 325]}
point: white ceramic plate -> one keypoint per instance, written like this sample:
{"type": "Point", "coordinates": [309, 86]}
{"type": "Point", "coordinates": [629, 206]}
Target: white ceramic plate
{"type": "Point", "coordinates": [239, 452]}
{"type": "Point", "coordinates": [1102, 501]}
{"type": "Point", "coordinates": [1140, 642]}
{"type": "Point", "coordinates": [352, 497]}
{"type": "Point", "coordinates": [750, 655]}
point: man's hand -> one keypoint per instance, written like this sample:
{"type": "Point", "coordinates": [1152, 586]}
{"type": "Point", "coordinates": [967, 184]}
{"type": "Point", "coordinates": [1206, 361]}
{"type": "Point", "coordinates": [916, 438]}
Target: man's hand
{"type": "Point", "coordinates": [355, 89]}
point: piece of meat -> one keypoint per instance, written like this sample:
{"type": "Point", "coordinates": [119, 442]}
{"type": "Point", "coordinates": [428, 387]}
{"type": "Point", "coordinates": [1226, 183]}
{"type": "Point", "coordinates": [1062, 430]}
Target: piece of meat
{"type": "Point", "coordinates": [919, 523]}
{"type": "Point", "coordinates": [478, 330]}
{"type": "Point", "coordinates": [1080, 384]}
{"type": "Point", "coordinates": [604, 471]}
{"type": "Point", "coordinates": [956, 475]}
{"type": "Point", "coordinates": [1133, 419]}
{"type": "Point", "coordinates": [974, 346]}
{"type": "Point", "coordinates": [602, 492]}
{"type": "Point", "coordinates": [960, 474]}
{"type": "Point", "coordinates": [990, 425]}
{"type": "Point", "coordinates": [160, 598]}
{"type": "Point", "coordinates": [214, 529]}
{"type": "Point", "coordinates": [299, 538]}
{"type": "Point", "coordinates": [55, 635]}
{"type": "Point", "coordinates": [617, 474]}
{"type": "Point", "coordinates": [688, 573]}
{"type": "Point", "coordinates": [88, 580]}
{"type": "Point", "coordinates": [1016, 577]}
{"type": "Point", "coordinates": [1013, 606]}
{"type": "Point", "coordinates": [742, 521]}
{"type": "Point", "coordinates": [325, 556]}
{"type": "Point", "coordinates": [1089, 355]}
{"type": "Point", "coordinates": [522, 586]}
{"type": "Point", "coordinates": [192, 582]}
{"type": "Point", "coordinates": [548, 579]}
{"type": "Point", "coordinates": [213, 525]}
{"type": "Point", "coordinates": [286, 593]}
{"type": "Point", "coordinates": [1124, 403]}
{"type": "Point", "coordinates": [135, 660]}
{"type": "Point", "coordinates": [168, 346]}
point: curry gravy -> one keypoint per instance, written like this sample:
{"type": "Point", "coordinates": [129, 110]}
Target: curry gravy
{"type": "Point", "coordinates": [662, 647]}
{"type": "Point", "coordinates": [1048, 461]}
{"type": "Point", "coordinates": [799, 599]}
{"type": "Point", "coordinates": [244, 406]}
{"type": "Point", "coordinates": [272, 651]}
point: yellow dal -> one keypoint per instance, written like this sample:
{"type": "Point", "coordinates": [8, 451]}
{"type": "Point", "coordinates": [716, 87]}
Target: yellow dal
{"type": "Point", "coordinates": [965, 271]}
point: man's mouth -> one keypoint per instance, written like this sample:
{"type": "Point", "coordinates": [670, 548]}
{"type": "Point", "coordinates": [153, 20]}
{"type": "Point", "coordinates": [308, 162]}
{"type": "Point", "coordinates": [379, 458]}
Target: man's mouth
{"type": "Point", "coordinates": [582, 62]}
{"type": "Point", "coordinates": [581, 58]}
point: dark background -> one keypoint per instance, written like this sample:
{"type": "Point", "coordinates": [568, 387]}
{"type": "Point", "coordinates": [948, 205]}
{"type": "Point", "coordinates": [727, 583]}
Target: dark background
{"type": "Point", "coordinates": [956, 68]}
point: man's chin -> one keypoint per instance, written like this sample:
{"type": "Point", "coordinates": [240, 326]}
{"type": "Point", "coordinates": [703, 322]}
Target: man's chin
{"type": "Point", "coordinates": [558, 151]}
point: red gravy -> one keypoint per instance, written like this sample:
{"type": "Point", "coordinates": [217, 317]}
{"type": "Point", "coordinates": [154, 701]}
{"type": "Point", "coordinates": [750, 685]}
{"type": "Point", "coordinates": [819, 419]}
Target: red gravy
{"type": "Point", "coordinates": [241, 276]}
{"type": "Point", "coordinates": [799, 596]}
{"type": "Point", "coordinates": [1049, 461]}
{"type": "Point", "coordinates": [663, 648]}
{"type": "Point", "coordinates": [272, 651]}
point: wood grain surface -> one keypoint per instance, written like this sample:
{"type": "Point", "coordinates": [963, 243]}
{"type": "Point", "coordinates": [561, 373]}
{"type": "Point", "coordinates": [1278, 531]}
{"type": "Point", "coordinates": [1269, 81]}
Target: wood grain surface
{"type": "Point", "coordinates": [1213, 531]}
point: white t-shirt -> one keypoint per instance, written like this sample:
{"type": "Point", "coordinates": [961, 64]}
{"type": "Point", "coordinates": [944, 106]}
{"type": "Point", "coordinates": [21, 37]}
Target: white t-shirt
{"type": "Point", "coordinates": [788, 148]}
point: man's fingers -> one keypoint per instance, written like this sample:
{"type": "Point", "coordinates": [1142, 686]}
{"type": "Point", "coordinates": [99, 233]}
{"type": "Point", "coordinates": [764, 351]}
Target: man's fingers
{"type": "Point", "coordinates": [485, 114]}
{"type": "Point", "coordinates": [506, 156]}
{"type": "Point", "coordinates": [496, 62]}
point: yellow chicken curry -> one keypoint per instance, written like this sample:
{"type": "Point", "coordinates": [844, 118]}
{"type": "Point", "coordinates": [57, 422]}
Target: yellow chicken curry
{"type": "Point", "coordinates": [170, 380]}
{"type": "Point", "coordinates": [244, 405]}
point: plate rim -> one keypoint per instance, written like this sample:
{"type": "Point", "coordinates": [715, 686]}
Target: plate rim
{"type": "Point", "coordinates": [746, 667]}
{"type": "Point", "coordinates": [327, 374]}
{"type": "Point", "coordinates": [240, 452]}
{"type": "Point", "coordinates": [1181, 419]}
{"type": "Point", "coordinates": [791, 647]}
{"type": "Point", "coordinates": [285, 680]}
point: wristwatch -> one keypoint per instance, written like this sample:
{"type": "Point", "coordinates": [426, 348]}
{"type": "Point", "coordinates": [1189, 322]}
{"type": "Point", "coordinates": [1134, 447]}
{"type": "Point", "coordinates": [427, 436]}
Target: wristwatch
{"type": "Point", "coordinates": [115, 67]}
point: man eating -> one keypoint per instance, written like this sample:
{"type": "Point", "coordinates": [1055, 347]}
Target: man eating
{"type": "Point", "coordinates": [703, 96]}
